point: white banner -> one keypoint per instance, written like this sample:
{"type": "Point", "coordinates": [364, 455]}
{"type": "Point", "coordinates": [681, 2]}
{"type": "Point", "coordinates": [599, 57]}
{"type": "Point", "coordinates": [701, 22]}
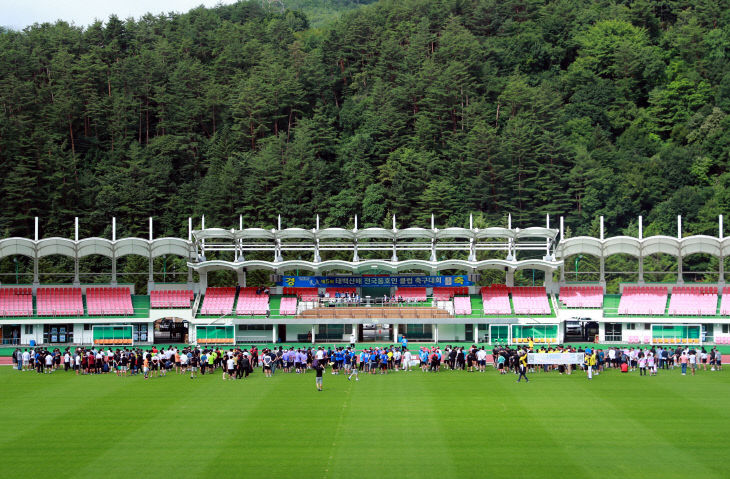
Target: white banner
{"type": "Point", "coordinates": [555, 358]}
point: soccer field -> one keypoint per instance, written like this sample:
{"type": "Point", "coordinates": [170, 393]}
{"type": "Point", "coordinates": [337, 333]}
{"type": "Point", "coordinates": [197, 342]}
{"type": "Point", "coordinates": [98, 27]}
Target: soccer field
{"type": "Point", "coordinates": [447, 424]}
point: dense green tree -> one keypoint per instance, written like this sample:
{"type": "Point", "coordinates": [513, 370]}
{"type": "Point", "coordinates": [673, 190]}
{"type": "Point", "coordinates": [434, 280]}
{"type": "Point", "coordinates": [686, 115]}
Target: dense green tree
{"type": "Point", "coordinates": [401, 107]}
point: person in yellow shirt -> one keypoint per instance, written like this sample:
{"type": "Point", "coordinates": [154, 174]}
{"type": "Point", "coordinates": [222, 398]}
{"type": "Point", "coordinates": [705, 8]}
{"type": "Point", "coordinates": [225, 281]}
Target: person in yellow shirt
{"type": "Point", "coordinates": [523, 366]}
{"type": "Point", "coordinates": [589, 359]}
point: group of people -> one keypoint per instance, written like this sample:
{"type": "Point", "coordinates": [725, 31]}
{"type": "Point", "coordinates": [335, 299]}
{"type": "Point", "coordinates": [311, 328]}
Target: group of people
{"type": "Point", "coordinates": [237, 363]}
{"type": "Point", "coordinates": [122, 362]}
{"type": "Point", "coordinates": [647, 361]}
{"type": "Point", "coordinates": [339, 297]}
{"type": "Point", "coordinates": [655, 358]}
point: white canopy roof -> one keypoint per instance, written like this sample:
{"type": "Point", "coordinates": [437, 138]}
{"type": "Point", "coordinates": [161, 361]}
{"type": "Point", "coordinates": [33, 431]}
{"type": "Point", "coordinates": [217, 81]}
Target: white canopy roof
{"type": "Point", "coordinates": [643, 247]}
{"type": "Point", "coordinates": [360, 267]}
{"type": "Point", "coordinates": [95, 246]}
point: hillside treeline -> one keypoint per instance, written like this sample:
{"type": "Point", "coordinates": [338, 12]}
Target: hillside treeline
{"type": "Point", "coordinates": [450, 107]}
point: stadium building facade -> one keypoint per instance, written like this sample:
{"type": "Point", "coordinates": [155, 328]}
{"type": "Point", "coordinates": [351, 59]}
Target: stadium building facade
{"type": "Point", "coordinates": [369, 284]}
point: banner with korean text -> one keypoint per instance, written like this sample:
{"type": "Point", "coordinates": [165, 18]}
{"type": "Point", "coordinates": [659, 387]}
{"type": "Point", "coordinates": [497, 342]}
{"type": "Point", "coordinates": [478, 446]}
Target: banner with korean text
{"type": "Point", "coordinates": [374, 281]}
{"type": "Point", "coordinates": [555, 358]}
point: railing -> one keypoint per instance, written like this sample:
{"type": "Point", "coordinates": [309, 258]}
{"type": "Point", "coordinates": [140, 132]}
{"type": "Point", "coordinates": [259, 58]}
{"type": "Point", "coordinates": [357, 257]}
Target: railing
{"type": "Point", "coordinates": [196, 304]}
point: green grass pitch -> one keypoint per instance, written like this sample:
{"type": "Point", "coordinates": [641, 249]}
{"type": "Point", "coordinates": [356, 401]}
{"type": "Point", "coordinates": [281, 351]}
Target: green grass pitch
{"type": "Point", "coordinates": [414, 424]}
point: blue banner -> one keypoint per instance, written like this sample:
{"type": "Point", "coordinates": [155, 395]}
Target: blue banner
{"type": "Point", "coordinates": [374, 281]}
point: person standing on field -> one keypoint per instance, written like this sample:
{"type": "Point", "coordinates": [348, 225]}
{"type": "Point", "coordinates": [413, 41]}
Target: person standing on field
{"type": "Point", "coordinates": [522, 366]}
{"type": "Point", "coordinates": [319, 370]}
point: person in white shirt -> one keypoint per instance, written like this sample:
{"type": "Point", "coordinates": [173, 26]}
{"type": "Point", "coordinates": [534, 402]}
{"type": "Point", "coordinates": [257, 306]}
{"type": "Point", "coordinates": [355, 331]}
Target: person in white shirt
{"type": "Point", "coordinates": [26, 359]}
{"type": "Point", "coordinates": [396, 359]}
{"type": "Point", "coordinates": [703, 359]}
{"type": "Point", "coordinates": [49, 363]}
{"type": "Point", "coordinates": [231, 367]}
{"type": "Point", "coordinates": [183, 363]}
{"type": "Point", "coordinates": [693, 361]}
{"type": "Point", "coordinates": [482, 359]}
{"type": "Point", "coordinates": [642, 364]}
{"type": "Point", "coordinates": [407, 360]}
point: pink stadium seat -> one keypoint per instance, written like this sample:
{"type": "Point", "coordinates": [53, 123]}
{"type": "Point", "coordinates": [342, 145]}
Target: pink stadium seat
{"type": "Point", "coordinates": [693, 300]}
{"type": "Point", "coordinates": [108, 301]}
{"type": "Point", "coordinates": [725, 302]}
{"type": "Point", "coordinates": [288, 307]}
{"type": "Point", "coordinates": [304, 294]}
{"type": "Point", "coordinates": [171, 298]}
{"type": "Point", "coordinates": [582, 296]}
{"type": "Point", "coordinates": [59, 302]}
{"type": "Point", "coordinates": [411, 294]}
{"type": "Point", "coordinates": [16, 302]}
{"type": "Point", "coordinates": [495, 299]}
{"type": "Point", "coordinates": [644, 300]}
{"type": "Point", "coordinates": [462, 305]}
{"type": "Point", "coordinates": [249, 302]}
{"type": "Point", "coordinates": [530, 300]}
{"type": "Point", "coordinates": [446, 293]}
{"type": "Point", "coordinates": [218, 301]}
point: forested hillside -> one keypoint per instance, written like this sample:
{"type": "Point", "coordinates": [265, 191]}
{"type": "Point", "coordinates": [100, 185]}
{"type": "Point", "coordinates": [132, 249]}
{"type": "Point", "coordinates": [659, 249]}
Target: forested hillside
{"type": "Point", "coordinates": [574, 108]}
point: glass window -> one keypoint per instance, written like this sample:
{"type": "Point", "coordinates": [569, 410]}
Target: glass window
{"type": "Point", "coordinates": [255, 327]}
{"type": "Point", "coordinates": [613, 332]}
{"type": "Point", "coordinates": [139, 332]}
{"type": "Point", "coordinates": [28, 329]}
{"type": "Point", "coordinates": [58, 333]}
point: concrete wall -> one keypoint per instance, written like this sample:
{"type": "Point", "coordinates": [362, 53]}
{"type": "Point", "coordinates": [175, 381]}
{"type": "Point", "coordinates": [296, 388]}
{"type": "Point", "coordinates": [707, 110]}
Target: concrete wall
{"type": "Point", "coordinates": [292, 330]}
{"type": "Point", "coordinates": [244, 336]}
{"type": "Point", "coordinates": [453, 332]}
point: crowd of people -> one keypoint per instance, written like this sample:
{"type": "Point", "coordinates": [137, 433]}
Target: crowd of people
{"type": "Point", "coordinates": [647, 361]}
{"type": "Point", "coordinates": [238, 363]}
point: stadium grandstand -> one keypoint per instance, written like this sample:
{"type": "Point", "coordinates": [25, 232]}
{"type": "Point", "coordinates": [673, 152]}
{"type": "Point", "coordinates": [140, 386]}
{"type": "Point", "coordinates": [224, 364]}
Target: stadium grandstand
{"type": "Point", "coordinates": [374, 295]}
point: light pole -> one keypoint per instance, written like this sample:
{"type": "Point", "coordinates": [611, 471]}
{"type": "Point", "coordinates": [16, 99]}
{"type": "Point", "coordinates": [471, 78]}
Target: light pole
{"type": "Point", "coordinates": [164, 268]}
{"type": "Point", "coordinates": [577, 260]}
{"type": "Point", "coordinates": [15, 260]}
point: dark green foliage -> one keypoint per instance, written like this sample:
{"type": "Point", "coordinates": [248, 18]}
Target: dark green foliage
{"type": "Point", "coordinates": [407, 107]}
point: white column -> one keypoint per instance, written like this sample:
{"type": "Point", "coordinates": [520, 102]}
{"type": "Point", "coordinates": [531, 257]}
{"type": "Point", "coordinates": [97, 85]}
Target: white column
{"type": "Point", "coordinates": [601, 228]}
{"type": "Point", "coordinates": [510, 278]}
{"type": "Point", "coordinates": [77, 281]}
{"type": "Point", "coordinates": [114, 255]}
{"type": "Point", "coordinates": [562, 237]}
{"type": "Point", "coordinates": [476, 333]}
{"type": "Point", "coordinates": [641, 227]}
{"type": "Point", "coordinates": [36, 280]}
{"type": "Point", "coordinates": [274, 333]}
{"type": "Point", "coordinates": [313, 333]}
{"type": "Point", "coordinates": [436, 333]}
{"type": "Point", "coordinates": [721, 235]}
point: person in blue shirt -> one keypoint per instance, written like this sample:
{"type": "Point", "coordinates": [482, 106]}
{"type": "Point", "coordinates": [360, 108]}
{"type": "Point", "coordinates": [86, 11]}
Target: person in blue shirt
{"type": "Point", "coordinates": [423, 356]}
{"type": "Point", "coordinates": [383, 362]}
{"type": "Point", "coordinates": [364, 357]}
{"type": "Point", "coordinates": [404, 343]}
